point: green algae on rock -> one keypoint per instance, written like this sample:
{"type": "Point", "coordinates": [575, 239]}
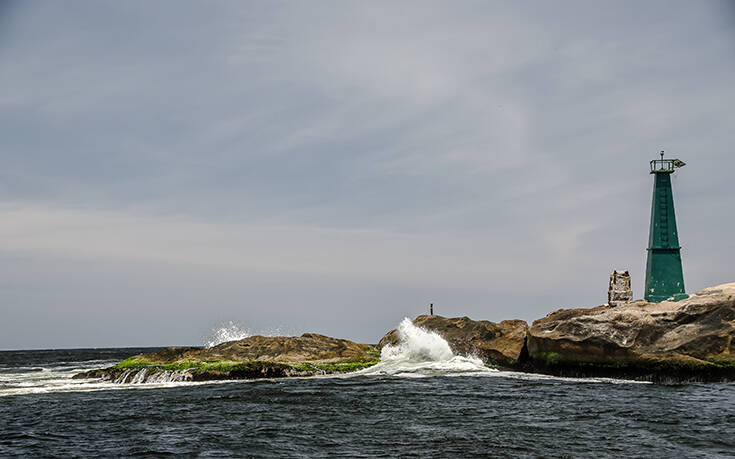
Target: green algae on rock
{"type": "Point", "coordinates": [250, 358]}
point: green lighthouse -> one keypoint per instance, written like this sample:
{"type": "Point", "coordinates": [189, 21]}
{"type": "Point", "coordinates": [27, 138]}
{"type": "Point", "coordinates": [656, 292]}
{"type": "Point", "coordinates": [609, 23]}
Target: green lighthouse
{"type": "Point", "coordinates": [664, 277]}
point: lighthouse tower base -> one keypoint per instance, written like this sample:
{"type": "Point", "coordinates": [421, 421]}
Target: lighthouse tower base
{"type": "Point", "coordinates": [664, 276]}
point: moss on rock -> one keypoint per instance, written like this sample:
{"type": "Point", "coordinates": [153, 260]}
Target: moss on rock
{"type": "Point", "coordinates": [220, 370]}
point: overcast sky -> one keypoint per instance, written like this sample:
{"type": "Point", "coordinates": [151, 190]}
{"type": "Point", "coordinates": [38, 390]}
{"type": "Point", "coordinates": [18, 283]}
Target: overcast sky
{"type": "Point", "coordinates": [335, 166]}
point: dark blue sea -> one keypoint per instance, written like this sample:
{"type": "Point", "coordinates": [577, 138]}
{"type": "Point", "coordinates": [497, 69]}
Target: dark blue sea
{"type": "Point", "coordinates": [44, 413]}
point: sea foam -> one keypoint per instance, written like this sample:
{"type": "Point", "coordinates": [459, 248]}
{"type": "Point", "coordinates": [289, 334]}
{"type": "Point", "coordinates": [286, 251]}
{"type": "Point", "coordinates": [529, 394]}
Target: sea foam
{"type": "Point", "coordinates": [421, 352]}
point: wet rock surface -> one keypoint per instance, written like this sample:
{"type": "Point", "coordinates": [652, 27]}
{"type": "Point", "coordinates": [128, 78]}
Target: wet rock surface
{"type": "Point", "coordinates": [159, 374]}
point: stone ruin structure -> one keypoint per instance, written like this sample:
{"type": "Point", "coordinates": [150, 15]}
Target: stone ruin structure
{"type": "Point", "coordinates": [619, 292]}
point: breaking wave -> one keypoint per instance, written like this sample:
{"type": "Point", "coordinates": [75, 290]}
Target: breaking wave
{"type": "Point", "coordinates": [421, 352]}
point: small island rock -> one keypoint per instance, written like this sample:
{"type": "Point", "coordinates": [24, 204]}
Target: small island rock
{"type": "Point", "coordinates": [309, 347]}
{"type": "Point", "coordinates": [250, 358]}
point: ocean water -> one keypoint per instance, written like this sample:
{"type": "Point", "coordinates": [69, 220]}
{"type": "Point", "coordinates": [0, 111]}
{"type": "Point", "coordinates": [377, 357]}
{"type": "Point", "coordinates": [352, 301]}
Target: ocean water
{"type": "Point", "coordinates": [421, 400]}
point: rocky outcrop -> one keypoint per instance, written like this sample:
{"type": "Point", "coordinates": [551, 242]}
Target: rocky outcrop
{"type": "Point", "coordinates": [250, 358]}
{"type": "Point", "coordinates": [691, 339]}
{"type": "Point", "coordinates": [309, 347]}
{"type": "Point", "coordinates": [499, 343]}
{"type": "Point", "coordinates": [688, 339]}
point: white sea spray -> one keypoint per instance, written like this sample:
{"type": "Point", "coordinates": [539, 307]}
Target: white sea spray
{"type": "Point", "coordinates": [231, 331]}
{"type": "Point", "coordinates": [234, 331]}
{"type": "Point", "coordinates": [421, 352]}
